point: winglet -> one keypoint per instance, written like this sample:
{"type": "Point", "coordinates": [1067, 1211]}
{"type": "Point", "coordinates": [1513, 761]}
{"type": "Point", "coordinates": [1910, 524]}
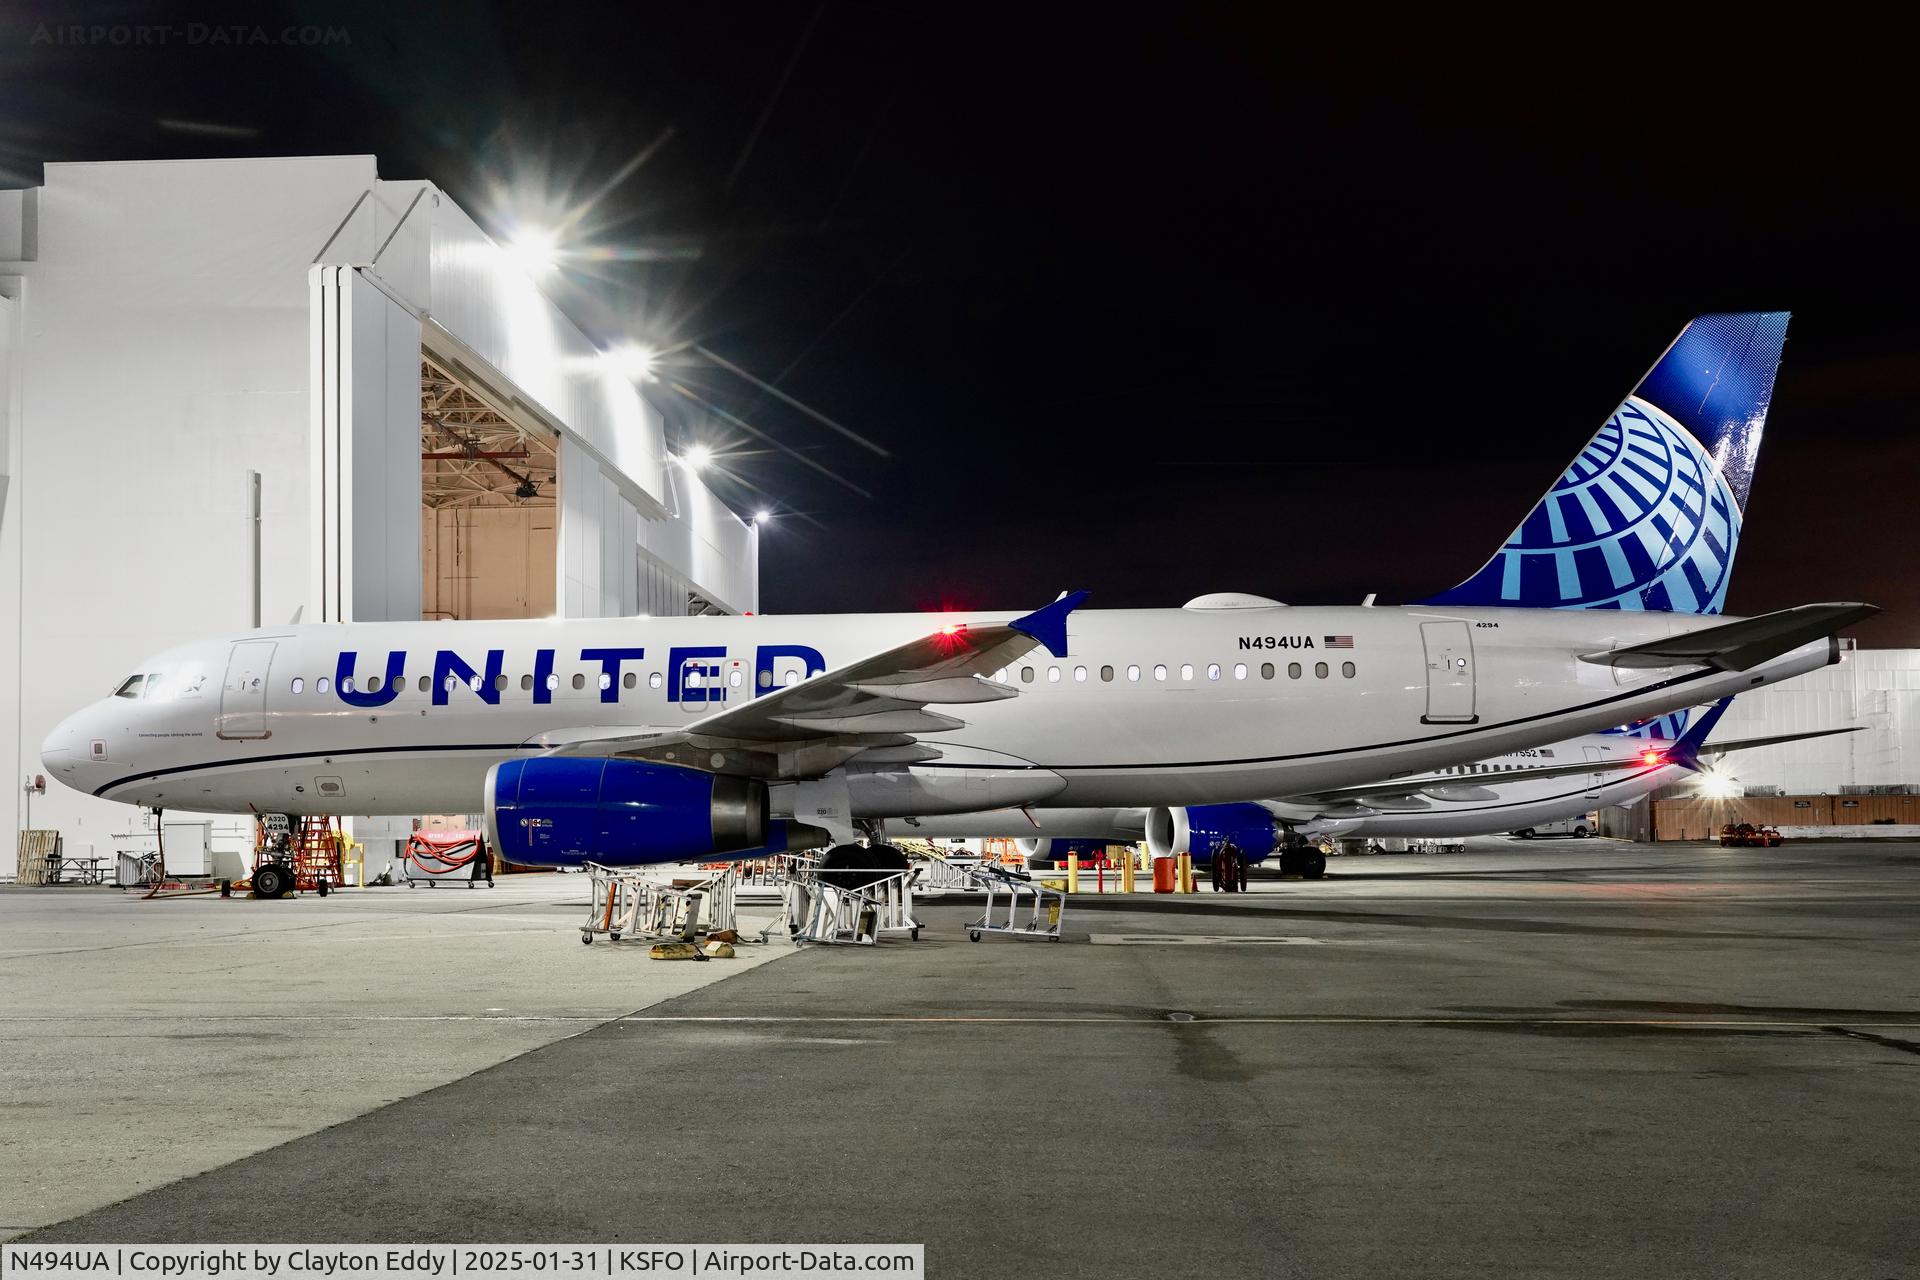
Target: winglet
{"type": "Point", "coordinates": [1049, 625]}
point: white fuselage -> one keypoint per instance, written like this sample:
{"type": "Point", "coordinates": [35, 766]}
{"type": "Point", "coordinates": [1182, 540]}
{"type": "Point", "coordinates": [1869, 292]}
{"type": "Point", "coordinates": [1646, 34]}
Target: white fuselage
{"type": "Point", "coordinates": [1150, 707]}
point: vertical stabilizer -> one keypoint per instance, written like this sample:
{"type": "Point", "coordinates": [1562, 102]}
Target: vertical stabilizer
{"type": "Point", "coordinates": [1648, 515]}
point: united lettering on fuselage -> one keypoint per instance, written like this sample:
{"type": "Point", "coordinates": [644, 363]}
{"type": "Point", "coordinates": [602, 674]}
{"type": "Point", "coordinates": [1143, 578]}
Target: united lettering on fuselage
{"type": "Point", "coordinates": [693, 673]}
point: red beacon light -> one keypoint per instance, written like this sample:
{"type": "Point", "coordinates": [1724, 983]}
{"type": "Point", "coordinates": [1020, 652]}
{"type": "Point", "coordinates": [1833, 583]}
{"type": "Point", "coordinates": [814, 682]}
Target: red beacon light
{"type": "Point", "coordinates": [953, 628]}
{"type": "Point", "coordinates": [1650, 757]}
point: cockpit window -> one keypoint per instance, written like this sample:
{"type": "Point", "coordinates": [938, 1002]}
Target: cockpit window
{"type": "Point", "coordinates": [131, 689]}
{"type": "Point", "coordinates": [154, 686]}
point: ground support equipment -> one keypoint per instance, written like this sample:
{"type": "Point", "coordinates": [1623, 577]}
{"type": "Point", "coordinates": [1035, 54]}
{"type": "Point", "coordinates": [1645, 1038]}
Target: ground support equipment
{"type": "Point", "coordinates": [1016, 905]}
{"type": "Point", "coordinates": [629, 902]}
{"type": "Point", "coordinates": [818, 910]}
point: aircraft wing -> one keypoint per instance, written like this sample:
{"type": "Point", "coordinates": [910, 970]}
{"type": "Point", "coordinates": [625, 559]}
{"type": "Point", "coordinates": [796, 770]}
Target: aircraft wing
{"type": "Point", "coordinates": [880, 704]}
{"type": "Point", "coordinates": [1745, 744]}
{"type": "Point", "coordinates": [1738, 646]}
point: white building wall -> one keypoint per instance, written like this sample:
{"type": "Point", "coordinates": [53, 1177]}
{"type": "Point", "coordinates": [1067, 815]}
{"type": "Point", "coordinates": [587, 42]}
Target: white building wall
{"type": "Point", "coordinates": [156, 345]}
{"type": "Point", "coordinates": [163, 355]}
{"type": "Point", "coordinates": [1875, 688]}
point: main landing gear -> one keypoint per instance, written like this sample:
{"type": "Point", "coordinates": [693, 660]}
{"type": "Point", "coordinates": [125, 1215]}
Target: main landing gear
{"type": "Point", "coordinates": [1298, 858]}
{"type": "Point", "coordinates": [855, 866]}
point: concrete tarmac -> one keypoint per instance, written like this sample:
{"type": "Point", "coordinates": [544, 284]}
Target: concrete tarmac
{"type": "Point", "coordinates": [1542, 1059]}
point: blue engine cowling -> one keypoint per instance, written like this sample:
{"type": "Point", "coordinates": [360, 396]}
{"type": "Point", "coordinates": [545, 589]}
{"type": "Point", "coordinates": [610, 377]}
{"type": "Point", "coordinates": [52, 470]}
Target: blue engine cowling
{"type": "Point", "coordinates": [561, 811]}
{"type": "Point", "coordinates": [1199, 829]}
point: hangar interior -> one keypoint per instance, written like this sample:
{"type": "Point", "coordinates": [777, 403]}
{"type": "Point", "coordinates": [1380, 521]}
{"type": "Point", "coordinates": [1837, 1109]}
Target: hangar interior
{"type": "Point", "coordinates": [428, 433]}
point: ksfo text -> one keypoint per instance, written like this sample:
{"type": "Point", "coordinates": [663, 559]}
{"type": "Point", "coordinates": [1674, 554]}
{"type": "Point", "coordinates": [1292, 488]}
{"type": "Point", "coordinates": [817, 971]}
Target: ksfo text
{"type": "Point", "coordinates": [769, 1260]}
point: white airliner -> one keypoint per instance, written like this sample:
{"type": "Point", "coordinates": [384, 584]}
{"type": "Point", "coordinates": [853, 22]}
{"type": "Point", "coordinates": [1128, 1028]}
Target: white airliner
{"type": "Point", "coordinates": [1521, 789]}
{"type": "Point", "coordinates": [662, 739]}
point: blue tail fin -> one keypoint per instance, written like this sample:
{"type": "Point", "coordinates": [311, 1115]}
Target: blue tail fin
{"type": "Point", "coordinates": [1648, 516]}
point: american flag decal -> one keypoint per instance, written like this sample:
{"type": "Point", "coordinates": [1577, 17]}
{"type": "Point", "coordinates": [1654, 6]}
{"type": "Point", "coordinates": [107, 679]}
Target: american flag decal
{"type": "Point", "coordinates": [1338, 642]}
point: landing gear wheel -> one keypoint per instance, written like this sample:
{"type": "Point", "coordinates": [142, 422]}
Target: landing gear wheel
{"type": "Point", "coordinates": [855, 866]}
{"type": "Point", "coordinates": [272, 881]}
{"type": "Point", "coordinates": [1312, 864]}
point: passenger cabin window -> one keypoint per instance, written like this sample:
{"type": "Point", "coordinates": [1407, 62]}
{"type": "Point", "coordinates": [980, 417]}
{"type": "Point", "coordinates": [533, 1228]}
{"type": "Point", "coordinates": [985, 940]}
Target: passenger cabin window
{"type": "Point", "coordinates": [1186, 671]}
{"type": "Point", "coordinates": [320, 685]}
{"type": "Point", "coordinates": [346, 685]}
{"type": "Point", "coordinates": [653, 679]}
{"type": "Point", "coordinates": [298, 684]}
{"type": "Point", "coordinates": [1293, 671]}
{"type": "Point", "coordinates": [1239, 671]}
{"type": "Point", "coordinates": [1213, 671]}
{"type": "Point", "coordinates": [1266, 671]}
{"type": "Point", "coordinates": [1133, 673]}
{"type": "Point", "coordinates": [1026, 675]}
{"type": "Point", "coordinates": [1053, 675]}
{"type": "Point", "coordinates": [500, 682]}
{"type": "Point", "coordinates": [426, 683]}
{"type": "Point", "coordinates": [1079, 675]}
{"type": "Point", "coordinates": [793, 678]}
{"type": "Point", "coordinates": [733, 678]}
{"type": "Point", "coordinates": [1346, 669]}
{"type": "Point", "coordinates": [553, 681]}
{"type": "Point", "coordinates": [526, 682]}
{"type": "Point", "coordinates": [373, 684]}
{"type": "Point", "coordinates": [580, 680]}
{"type": "Point", "coordinates": [129, 689]}
{"type": "Point", "coordinates": [606, 681]}
{"type": "Point", "coordinates": [1320, 670]}
{"type": "Point", "coordinates": [1159, 671]}
{"type": "Point", "coordinates": [630, 679]}
{"type": "Point", "coordinates": [1106, 674]}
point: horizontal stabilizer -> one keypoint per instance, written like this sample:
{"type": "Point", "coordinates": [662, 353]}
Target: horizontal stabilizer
{"type": "Point", "coordinates": [1748, 744]}
{"type": "Point", "coordinates": [1738, 646]}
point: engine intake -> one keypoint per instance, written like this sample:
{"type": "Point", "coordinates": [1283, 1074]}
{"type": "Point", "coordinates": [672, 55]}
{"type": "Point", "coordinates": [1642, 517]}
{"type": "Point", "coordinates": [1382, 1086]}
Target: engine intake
{"type": "Point", "coordinates": [561, 811]}
{"type": "Point", "coordinates": [1200, 829]}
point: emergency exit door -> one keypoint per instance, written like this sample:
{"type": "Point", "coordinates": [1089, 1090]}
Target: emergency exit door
{"type": "Point", "coordinates": [1449, 648]}
{"type": "Point", "coordinates": [1595, 781]}
{"type": "Point", "coordinates": [243, 697]}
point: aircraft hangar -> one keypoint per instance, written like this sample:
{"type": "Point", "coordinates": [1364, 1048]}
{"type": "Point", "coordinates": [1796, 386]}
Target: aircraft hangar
{"type": "Point", "coordinates": [237, 391]}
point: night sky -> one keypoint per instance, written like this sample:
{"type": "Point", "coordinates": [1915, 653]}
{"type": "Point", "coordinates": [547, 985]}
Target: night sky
{"type": "Point", "coordinates": [1149, 300]}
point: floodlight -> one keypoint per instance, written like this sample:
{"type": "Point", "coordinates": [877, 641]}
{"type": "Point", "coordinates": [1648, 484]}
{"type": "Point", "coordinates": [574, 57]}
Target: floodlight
{"type": "Point", "coordinates": [534, 251]}
{"type": "Point", "coordinates": [697, 457]}
{"type": "Point", "coordinates": [633, 360]}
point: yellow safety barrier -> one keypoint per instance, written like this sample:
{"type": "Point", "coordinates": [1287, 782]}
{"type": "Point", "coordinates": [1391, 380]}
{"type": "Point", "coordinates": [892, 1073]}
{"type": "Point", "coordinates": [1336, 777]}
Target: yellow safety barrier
{"type": "Point", "coordinates": [1073, 873]}
{"type": "Point", "coordinates": [1184, 881]}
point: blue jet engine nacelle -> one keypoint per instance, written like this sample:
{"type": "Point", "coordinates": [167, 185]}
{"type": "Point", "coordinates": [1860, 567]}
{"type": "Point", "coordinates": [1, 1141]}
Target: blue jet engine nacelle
{"type": "Point", "coordinates": [562, 811]}
{"type": "Point", "coordinates": [1201, 828]}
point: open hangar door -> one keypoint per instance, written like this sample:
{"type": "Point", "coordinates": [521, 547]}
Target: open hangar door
{"type": "Point", "coordinates": [489, 487]}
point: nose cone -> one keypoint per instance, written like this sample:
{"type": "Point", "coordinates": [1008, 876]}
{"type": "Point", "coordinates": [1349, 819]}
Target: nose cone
{"type": "Point", "coordinates": [66, 753]}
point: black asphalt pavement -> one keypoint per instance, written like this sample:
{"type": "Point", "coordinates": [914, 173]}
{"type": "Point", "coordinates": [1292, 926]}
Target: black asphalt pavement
{"type": "Point", "coordinates": [1579, 1059]}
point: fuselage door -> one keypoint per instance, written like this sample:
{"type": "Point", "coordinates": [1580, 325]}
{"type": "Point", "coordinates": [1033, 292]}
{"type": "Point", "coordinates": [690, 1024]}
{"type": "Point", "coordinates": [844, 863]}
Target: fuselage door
{"type": "Point", "coordinates": [1595, 780]}
{"type": "Point", "coordinates": [243, 698]}
{"type": "Point", "coordinates": [702, 687]}
{"type": "Point", "coordinates": [1449, 648]}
